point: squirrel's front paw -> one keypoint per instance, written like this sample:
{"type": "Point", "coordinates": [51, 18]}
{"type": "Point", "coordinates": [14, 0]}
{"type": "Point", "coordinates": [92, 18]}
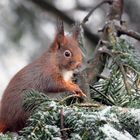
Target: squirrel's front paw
{"type": "Point", "coordinates": [77, 90]}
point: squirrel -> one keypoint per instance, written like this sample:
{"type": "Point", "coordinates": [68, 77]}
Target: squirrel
{"type": "Point", "coordinates": [51, 72]}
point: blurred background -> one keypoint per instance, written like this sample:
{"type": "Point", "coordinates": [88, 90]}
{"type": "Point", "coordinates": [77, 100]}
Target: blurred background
{"type": "Point", "coordinates": [27, 28]}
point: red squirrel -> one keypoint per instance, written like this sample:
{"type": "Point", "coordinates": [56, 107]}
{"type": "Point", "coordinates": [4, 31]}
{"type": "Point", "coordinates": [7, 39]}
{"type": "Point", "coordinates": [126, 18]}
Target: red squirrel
{"type": "Point", "coordinates": [51, 73]}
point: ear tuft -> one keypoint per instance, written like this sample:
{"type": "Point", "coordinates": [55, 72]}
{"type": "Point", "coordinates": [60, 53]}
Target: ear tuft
{"type": "Point", "coordinates": [76, 30]}
{"type": "Point", "coordinates": [60, 31]}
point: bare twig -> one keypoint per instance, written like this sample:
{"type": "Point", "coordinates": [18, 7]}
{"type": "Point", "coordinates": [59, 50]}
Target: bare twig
{"type": "Point", "coordinates": [116, 10]}
{"type": "Point", "coordinates": [64, 133]}
{"type": "Point", "coordinates": [106, 50]}
{"type": "Point", "coordinates": [112, 53]}
{"type": "Point", "coordinates": [130, 33]}
{"type": "Point", "coordinates": [94, 8]}
{"type": "Point", "coordinates": [68, 97]}
{"type": "Point", "coordinates": [87, 105]}
{"type": "Point", "coordinates": [95, 65]}
{"type": "Point", "coordinates": [65, 129]}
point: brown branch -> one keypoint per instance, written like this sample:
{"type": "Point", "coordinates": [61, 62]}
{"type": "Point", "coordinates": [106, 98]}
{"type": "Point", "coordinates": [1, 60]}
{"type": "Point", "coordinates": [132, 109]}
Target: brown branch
{"type": "Point", "coordinates": [130, 33]}
{"type": "Point", "coordinates": [87, 105]}
{"type": "Point", "coordinates": [95, 65]}
{"type": "Point", "coordinates": [65, 129]}
{"type": "Point", "coordinates": [116, 10]}
{"type": "Point", "coordinates": [64, 133]}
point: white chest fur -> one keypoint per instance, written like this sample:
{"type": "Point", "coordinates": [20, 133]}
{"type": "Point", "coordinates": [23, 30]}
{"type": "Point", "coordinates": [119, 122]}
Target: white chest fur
{"type": "Point", "coordinates": [67, 75]}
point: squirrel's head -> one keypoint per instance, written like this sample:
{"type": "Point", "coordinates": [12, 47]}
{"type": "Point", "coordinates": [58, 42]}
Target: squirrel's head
{"type": "Point", "coordinates": [67, 52]}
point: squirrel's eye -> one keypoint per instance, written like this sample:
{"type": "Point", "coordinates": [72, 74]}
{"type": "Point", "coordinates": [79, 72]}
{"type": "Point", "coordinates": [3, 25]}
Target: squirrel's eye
{"type": "Point", "coordinates": [67, 53]}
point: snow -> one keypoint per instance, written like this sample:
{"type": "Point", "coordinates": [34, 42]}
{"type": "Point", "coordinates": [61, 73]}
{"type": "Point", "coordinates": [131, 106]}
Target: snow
{"type": "Point", "coordinates": [53, 105]}
{"type": "Point", "coordinates": [114, 134]}
{"type": "Point", "coordinates": [136, 113]}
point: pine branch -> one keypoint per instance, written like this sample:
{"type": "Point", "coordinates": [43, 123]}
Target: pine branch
{"type": "Point", "coordinates": [127, 86]}
{"type": "Point", "coordinates": [79, 122]}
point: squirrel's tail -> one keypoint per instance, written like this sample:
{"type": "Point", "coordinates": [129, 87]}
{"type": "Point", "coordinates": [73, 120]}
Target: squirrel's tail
{"type": "Point", "coordinates": [2, 127]}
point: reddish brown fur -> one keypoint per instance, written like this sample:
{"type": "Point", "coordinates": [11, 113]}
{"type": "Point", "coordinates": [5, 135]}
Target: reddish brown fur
{"type": "Point", "coordinates": [44, 75]}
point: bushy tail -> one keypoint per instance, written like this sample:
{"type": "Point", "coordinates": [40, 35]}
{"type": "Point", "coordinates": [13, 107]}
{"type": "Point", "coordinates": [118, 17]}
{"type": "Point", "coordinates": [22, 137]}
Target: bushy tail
{"type": "Point", "coordinates": [2, 127]}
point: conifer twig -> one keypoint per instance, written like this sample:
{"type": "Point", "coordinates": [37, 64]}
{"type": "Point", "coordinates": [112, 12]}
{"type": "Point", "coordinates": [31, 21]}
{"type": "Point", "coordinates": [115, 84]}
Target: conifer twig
{"type": "Point", "coordinates": [68, 97]}
{"type": "Point", "coordinates": [121, 68]}
{"type": "Point", "coordinates": [125, 79]}
{"type": "Point", "coordinates": [125, 65]}
{"type": "Point", "coordinates": [102, 95]}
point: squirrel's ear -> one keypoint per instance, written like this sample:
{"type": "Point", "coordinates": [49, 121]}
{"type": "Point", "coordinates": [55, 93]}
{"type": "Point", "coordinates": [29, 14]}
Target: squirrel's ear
{"type": "Point", "coordinates": [76, 31]}
{"type": "Point", "coordinates": [60, 31]}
